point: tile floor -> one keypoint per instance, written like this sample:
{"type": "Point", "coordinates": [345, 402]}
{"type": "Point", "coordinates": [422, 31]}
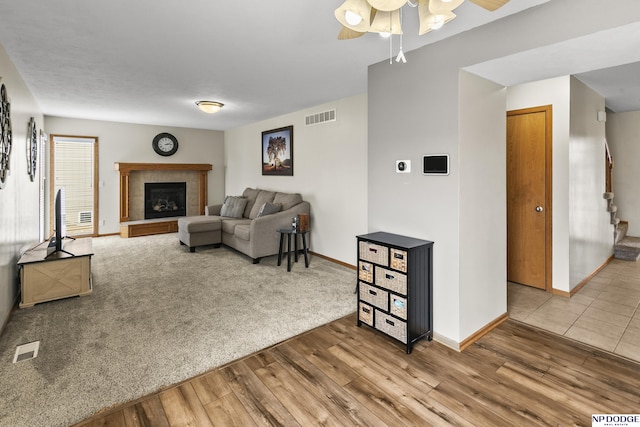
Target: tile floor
{"type": "Point", "coordinates": [605, 313]}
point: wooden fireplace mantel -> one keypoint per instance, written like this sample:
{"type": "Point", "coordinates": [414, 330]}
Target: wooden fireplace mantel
{"type": "Point", "coordinates": [125, 170]}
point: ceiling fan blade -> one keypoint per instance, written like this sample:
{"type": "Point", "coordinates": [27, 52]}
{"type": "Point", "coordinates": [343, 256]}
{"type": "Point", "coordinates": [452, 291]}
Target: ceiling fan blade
{"type": "Point", "coordinates": [348, 33]}
{"type": "Point", "coordinates": [490, 5]}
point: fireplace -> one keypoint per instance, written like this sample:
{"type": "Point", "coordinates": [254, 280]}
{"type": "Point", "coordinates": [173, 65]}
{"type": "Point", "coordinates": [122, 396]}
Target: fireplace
{"type": "Point", "coordinates": [165, 199]}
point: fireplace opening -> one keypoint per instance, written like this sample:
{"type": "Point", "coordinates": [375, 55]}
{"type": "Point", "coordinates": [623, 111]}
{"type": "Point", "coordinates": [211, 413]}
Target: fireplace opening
{"type": "Point", "coordinates": [165, 199]}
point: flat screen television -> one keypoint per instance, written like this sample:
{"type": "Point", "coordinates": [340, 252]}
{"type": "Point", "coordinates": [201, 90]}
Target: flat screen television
{"type": "Point", "coordinates": [57, 241]}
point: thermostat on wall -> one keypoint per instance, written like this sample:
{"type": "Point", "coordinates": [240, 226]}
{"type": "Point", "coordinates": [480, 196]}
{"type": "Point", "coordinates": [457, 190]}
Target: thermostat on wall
{"type": "Point", "coordinates": [403, 166]}
{"type": "Point", "coordinates": [435, 164]}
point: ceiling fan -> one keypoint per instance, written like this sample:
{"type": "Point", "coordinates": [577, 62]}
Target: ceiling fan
{"type": "Point", "coordinates": [359, 17]}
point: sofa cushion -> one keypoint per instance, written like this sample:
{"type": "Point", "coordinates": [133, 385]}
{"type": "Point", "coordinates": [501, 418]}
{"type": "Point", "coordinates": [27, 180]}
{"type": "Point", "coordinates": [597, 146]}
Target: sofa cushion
{"type": "Point", "coordinates": [250, 194]}
{"type": "Point", "coordinates": [233, 207]}
{"type": "Point", "coordinates": [287, 200]}
{"type": "Point", "coordinates": [199, 224]}
{"type": "Point", "coordinates": [242, 231]}
{"type": "Point", "coordinates": [212, 209]}
{"type": "Point", "coordinates": [229, 225]}
{"type": "Point", "coordinates": [269, 208]}
{"type": "Point", "coordinates": [263, 197]}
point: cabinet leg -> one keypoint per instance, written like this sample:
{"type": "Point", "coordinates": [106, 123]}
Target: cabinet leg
{"type": "Point", "coordinates": [305, 250]}
{"type": "Point", "coordinates": [280, 248]}
{"type": "Point", "coordinates": [288, 251]}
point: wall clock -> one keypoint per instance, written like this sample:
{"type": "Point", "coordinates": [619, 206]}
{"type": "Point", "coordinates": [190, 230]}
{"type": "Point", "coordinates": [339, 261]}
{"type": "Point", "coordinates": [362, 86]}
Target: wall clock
{"type": "Point", "coordinates": [165, 144]}
{"type": "Point", "coordinates": [32, 149]}
{"type": "Point", "coordinates": [5, 135]}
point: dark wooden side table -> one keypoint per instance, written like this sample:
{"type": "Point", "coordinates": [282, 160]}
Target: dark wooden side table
{"type": "Point", "coordinates": [291, 233]}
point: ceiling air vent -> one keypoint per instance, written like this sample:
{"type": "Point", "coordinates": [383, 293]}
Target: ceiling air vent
{"type": "Point", "coordinates": [314, 119]}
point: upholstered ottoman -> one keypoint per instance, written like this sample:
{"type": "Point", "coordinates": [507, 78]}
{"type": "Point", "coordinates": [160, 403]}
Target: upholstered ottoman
{"type": "Point", "coordinates": [199, 231]}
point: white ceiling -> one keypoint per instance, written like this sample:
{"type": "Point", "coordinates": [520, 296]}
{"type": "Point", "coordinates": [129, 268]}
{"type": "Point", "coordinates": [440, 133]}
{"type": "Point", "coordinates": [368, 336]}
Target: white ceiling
{"type": "Point", "coordinates": [148, 61]}
{"type": "Point", "coordinates": [606, 61]}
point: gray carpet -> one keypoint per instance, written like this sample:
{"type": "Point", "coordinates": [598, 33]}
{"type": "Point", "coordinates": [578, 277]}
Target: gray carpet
{"type": "Point", "coordinates": [157, 315]}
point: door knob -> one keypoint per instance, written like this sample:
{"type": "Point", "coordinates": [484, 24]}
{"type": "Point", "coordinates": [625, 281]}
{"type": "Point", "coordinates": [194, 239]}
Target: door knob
{"type": "Point", "coordinates": [539, 208]}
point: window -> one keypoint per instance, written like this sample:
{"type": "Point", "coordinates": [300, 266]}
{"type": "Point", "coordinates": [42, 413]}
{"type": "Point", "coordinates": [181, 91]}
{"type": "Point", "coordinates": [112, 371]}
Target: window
{"type": "Point", "coordinates": [75, 167]}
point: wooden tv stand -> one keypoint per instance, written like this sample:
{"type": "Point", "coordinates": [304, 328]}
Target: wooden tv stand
{"type": "Point", "coordinates": [59, 276]}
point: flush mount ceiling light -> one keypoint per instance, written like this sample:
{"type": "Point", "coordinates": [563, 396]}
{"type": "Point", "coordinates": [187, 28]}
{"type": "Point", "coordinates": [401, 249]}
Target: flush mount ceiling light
{"type": "Point", "coordinates": [383, 16]}
{"type": "Point", "coordinates": [210, 107]}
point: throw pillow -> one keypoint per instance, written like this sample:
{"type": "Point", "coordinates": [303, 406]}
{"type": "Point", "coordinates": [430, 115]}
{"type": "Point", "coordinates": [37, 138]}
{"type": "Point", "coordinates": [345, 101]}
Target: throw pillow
{"type": "Point", "coordinates": [288, 200]}
{"type": "Point", "coordinates": [269, 208]}
{"type": "Point", "coordinates": [233, 206]}
{"type": "Point", "coordinates": [263, 197]}
{"type": "Point", "coordinates": [250, 194]}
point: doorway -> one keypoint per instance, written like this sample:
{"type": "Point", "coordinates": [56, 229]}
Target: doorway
{"type": "Point", "coordinates": [529, 197]}
{"type": "Point", "coordinates": [74, 166]}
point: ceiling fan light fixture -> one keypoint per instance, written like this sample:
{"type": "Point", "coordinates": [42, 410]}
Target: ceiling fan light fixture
{"type": "Point", "coordinates": [432, 21]}
{"type": "Point", "coordinates": [387, 5]}
{"type": "Point", "coordinates": [209, 107]}
{"type": "Point", "coordinates": [355, 15]}
{"type": "Point", "coordinates": [352, 18]}
{"type": "Point", "coordinates": [359, 17]}
{"type": "Point", "coordinates": [437, 23]}
{"type": "Point", "coordinates": [443, 6]}
{"type": "Point", "coordinates": [386, 22]}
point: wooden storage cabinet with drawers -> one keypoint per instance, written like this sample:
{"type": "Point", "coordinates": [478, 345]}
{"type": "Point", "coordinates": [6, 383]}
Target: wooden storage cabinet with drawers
{"type": "Point", "coordinates": [395, 286]}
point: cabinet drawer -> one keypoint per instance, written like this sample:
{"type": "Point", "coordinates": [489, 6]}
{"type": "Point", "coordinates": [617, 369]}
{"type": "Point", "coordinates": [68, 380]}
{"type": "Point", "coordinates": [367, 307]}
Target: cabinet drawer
{"type": "Point", "coordinates": [398, 260]}
{"type": "Point", "coordinates": [365, 271]}
{"type": "Point", "coordinates": [373, 253]}
{"type": "Point", "coordinates": [365, 314]}
{"type": "Point", "coordinates": [392, 280]}
{"type": "Point", "coordinates": [391, 326]}
{"type": "Point", "coordinates": [398, 306]}
{"type": "Point", "coordinates": [374, 296]}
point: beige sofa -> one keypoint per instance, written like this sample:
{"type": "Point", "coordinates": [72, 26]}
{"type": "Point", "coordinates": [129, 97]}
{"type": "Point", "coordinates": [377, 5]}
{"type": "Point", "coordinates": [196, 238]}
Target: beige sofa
{"type": "Point", "coordinates": [254, 231]}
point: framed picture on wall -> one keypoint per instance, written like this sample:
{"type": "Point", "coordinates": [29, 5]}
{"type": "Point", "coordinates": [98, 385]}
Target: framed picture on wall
{"type": "Point", "coordinates": [277, 151]}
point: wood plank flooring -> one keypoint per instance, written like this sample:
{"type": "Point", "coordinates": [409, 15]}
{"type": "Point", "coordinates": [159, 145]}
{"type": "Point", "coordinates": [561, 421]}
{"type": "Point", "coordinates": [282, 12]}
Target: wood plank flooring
{"type": "Point", "coordinates": [342, 375]}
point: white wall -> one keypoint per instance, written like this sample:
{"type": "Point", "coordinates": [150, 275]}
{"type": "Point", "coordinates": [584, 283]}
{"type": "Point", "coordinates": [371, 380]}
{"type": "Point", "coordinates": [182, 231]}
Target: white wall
{"type": "Point", "coordinates": [582, 233]}
{"type": "Point", "coordinates": [590, 229]}
{"type": "Point", "coordinates": [483, 218]}
{"type": "Point", "coordinates": [557, 93]}
{"type": "Point", "coordinates": [413, 109]}
{"type": "Point", "coordinates": [19, 210]}
{"type": "Point", "coordinates": [330, 171]}
{"type": "Point", "coordinates": [131, 143]}
{"type": "Point", "coordinates": [623, 135]}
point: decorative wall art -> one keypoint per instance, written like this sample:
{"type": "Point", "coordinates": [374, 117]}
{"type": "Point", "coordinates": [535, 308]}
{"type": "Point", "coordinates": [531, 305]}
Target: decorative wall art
{"type": "Point", "coordinates": [32, 149]}
{"type": "Point", "coordinates": [5, 135]}
{"type": "Point", "coordinates": [277, 151]}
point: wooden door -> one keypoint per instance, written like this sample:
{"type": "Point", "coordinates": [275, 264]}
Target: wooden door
{"type": "Point", "coordinates": [529, 197]}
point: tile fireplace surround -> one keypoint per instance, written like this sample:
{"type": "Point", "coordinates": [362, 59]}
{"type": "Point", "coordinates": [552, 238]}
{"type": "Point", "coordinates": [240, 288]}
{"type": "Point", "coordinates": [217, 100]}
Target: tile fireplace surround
{"type": "Point", "coordinates": [134, 175]}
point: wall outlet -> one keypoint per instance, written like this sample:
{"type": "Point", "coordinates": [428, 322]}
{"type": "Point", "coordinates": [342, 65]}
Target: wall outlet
{"type": "Point", "coordinates": [403, 166]}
